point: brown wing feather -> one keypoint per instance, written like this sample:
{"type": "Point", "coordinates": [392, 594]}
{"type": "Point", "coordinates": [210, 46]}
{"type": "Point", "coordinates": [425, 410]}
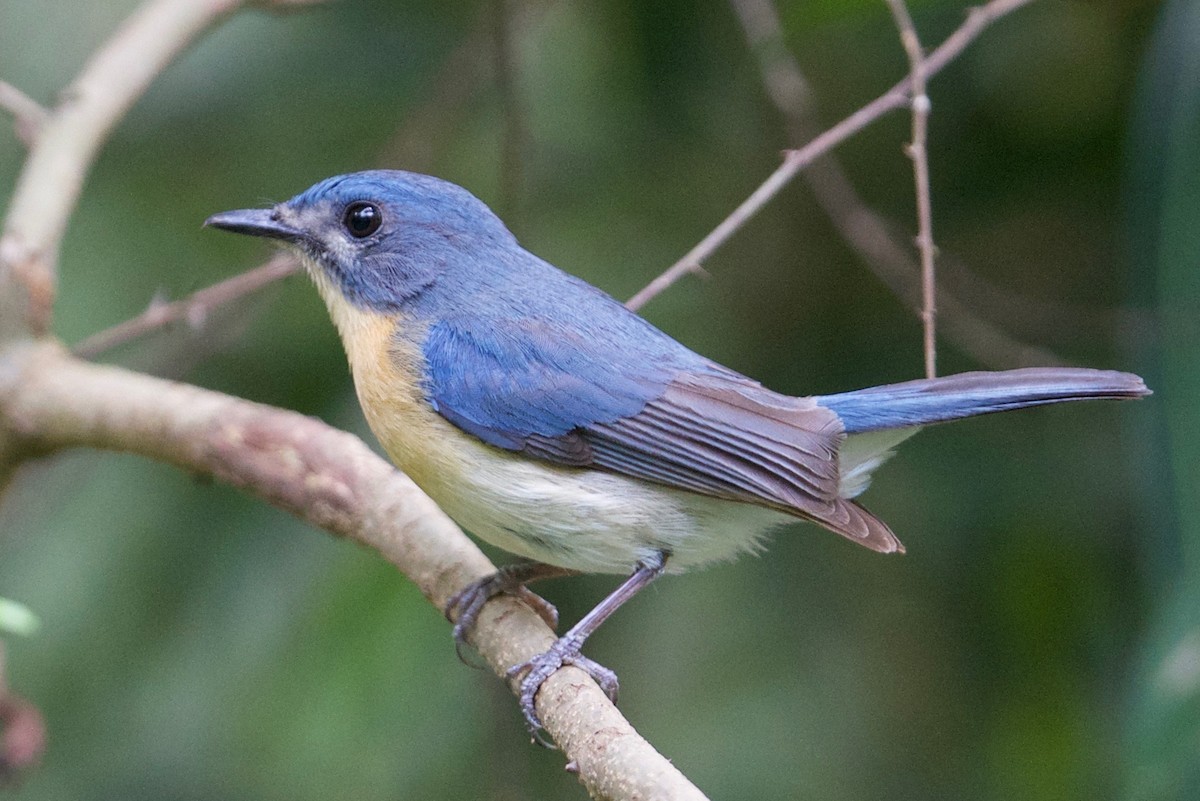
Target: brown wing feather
{"type": "Point", "coordinates": [729, 437]}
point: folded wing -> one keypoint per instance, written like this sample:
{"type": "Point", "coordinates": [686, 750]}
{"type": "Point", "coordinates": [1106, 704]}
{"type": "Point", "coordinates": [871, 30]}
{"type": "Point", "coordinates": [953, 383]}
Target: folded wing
{"type": "Point", "coordinates": [667, 416]}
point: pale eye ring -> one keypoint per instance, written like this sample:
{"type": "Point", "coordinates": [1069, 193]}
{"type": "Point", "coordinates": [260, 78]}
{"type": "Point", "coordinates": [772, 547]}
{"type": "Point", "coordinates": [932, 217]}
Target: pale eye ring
{"type": "Point", "coordinates": [362, 219]}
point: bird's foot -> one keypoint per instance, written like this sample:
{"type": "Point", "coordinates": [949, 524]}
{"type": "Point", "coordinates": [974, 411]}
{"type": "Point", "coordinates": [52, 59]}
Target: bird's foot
{"type": "Point", "coordinates": [466, 604]}
{"type": "Point", "coordinates": [564, 651]}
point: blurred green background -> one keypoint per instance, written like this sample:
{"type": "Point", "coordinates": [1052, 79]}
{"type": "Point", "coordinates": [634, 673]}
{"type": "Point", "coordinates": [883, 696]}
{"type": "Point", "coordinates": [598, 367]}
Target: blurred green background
{"type": "Point", "coordinates": [1039, 641]}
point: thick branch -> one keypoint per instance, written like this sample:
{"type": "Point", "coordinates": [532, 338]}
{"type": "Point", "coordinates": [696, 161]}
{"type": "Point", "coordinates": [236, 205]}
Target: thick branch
{"type": "Point", "coordinates": [334, 481]}
{"type": "Point", "coordinates": [67, 143]}
{"type": "Point", "coordinates": [796, 160]}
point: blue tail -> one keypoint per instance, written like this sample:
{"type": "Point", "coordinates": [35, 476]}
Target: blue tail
{"type": "Point", "coordinates": [934, 400]}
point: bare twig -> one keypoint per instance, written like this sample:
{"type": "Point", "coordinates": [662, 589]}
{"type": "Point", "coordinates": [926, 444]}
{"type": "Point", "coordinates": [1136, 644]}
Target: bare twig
{"type": "Point", "coordinates": [332, 480]}
{"type": "Point", "coordinates": [194, 309]}
{"type": "Point", "coordinates": [865, 230]}
{"type": "Point", "coordinates": [49, 185]}
{"type": "Point", "coordinates": [49, 401]}
{"type": "Point", "coordinates": [28, 114]}
{"type": "Point", "coordinates": [918, 152]}
{"type": "Point", "coordinates": [895, 98]}
{"type": "Point", "coordinates": [793, 162]}
{"type": "Point", "coordinates": [890, 259]}
{"type": "Point", "coordinates": [411, 148]}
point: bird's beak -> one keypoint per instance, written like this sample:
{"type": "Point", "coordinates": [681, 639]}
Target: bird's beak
{"type": "Point", "coordinates": [255, 222]}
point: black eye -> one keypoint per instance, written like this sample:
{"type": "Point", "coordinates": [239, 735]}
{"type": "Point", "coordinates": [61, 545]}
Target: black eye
{"type": "Point", "coordinates": [362, 219]}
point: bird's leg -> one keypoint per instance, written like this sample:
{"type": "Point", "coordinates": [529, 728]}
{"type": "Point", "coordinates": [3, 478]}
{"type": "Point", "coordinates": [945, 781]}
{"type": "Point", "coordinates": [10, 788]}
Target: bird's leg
{"type": "Point", "coordinates": [463, 609]}
{"type": "Point", "coordinates": [566, 649]}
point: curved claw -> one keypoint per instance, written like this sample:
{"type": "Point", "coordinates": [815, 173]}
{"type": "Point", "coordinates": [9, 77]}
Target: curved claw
{"type": "Point", "coordinates": [466, 604]}
{"type": "Point", "coordinates": [564, 651]}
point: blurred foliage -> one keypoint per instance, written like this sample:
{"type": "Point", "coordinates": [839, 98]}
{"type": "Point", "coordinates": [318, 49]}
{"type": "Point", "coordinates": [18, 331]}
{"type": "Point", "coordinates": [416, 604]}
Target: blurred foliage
{"type": "Point", "coordinates": [1040, 640]}
{"type": "Point", "coordinates": [1164, 205]}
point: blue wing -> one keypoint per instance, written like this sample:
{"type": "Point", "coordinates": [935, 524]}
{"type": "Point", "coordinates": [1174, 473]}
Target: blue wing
{"type": "Point", "coordinates": [619, 395]}
{"type": "Point", "coordinates": [510, 381]}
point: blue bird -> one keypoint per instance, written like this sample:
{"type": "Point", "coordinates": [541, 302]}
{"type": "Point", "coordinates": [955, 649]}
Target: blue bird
{"type": "Point", "coordinates": [550, 421]}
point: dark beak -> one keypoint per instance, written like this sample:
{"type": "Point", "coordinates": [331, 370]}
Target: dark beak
{"type": "Point", "coordinates": [255, 222]}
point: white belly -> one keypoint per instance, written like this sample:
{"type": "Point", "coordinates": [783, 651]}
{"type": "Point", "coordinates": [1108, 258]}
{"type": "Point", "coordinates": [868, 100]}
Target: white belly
{"type": "Point", "coordinates": [595, 521]}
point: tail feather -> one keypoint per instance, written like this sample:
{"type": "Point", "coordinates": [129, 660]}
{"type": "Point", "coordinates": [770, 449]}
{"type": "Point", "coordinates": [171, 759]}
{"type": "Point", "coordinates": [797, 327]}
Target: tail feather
{"type": "Point", "coordinates": [935, 400]}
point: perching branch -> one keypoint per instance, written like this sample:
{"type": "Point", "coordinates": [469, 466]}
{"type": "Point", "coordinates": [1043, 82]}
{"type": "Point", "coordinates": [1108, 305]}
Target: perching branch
{"type": "Point", "coordinates": [796, 160]}
{"type": "Point", "coordinates": [920, 159]}
{"type": "Point", "coordinates": [50, 401]}
{"type": "Point", "coordinates": [332, 480]}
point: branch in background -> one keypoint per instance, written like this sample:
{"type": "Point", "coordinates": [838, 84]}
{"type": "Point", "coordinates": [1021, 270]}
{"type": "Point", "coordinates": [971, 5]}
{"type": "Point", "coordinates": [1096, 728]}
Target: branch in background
{"type": "Point", "coordinates": [28, 114]}
{"type": "Point", "coordinates": [332, 480]}
{"type": "Point", "coordinates": [50, 401]}
{"type": "Point", "coordinates": [863, 229]}
{"type": "Point", "coordinates": [69, 139]}
{"type": "Point", "coordinates": [920, 158]}
{"type": "Point", "coordinates": [793, 162]}
{"type": "Point", "coordinates": [22, 737]}
{"type": "Point", "coordinates": [195, 309]}
{"type": "Point", "coordinates": [796, 160]}
{"type": "Point", "coordinates": [411, 147]}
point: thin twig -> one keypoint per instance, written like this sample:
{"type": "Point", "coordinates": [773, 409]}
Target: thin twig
{"type": "Point", "coordinates": [28, 114]}
{"type": "Point", "coordinates": [864, 229]}
{"type": "Point", "coordinates": [410, 148]}
{"type": "Point", "coordinates": [895, 98]}
{"type": "Point", "coordinates": [918, 152]}
{"type": "Point", "coordinates": [793, 162]}
{"type": "Point", "coordinates": [195, 309]}
{"type": "Point", "coordinates": [50, 183]}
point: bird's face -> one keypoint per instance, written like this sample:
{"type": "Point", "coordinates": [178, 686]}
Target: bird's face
{"type": "Point", "coordinates": [379, 239]}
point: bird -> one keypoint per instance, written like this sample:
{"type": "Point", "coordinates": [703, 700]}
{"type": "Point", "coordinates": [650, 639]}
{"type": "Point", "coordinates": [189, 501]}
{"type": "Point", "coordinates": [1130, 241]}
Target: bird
{"type": "Point", "coordinates": [552, 422]}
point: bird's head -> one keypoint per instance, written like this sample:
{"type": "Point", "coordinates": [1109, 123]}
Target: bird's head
{"type": "Point", "coordinates": [381, 238]}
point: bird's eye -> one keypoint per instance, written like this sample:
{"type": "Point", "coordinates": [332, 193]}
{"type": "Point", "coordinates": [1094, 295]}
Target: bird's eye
{"type": "Point", "coordinates": [362, 219]}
